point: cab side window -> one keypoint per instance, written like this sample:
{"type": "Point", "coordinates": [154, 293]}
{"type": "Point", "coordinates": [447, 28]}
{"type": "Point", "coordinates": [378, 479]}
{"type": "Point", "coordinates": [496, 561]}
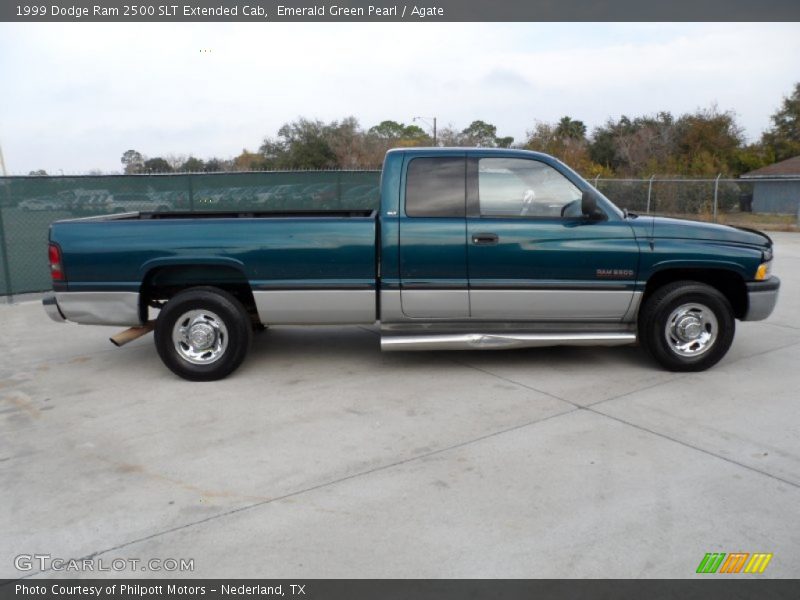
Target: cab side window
{"type": "Point", "coordinates": [435, 187]}
{"type": "Point", "coordinates": [517, 187]}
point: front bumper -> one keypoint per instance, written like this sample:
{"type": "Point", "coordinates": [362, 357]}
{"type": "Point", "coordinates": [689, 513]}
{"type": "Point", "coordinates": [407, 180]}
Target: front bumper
{"type": "Point", "coordinates": [761, 298]}
{"type": "Point", "coordinates": [51, 307]}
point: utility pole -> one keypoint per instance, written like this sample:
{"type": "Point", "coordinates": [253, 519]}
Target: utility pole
{"type": "Point", "coordinates": [425, 120]}
{"type": "Point", "coordinates": [2, 164]}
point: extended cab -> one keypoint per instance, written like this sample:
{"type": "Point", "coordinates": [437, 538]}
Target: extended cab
{"type": "Point", "coordinates": [471, 248]}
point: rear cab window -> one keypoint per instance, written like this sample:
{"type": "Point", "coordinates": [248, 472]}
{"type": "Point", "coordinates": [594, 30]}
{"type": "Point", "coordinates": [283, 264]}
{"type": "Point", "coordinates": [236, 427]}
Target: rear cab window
{"type": "Point", "coordinates": [435, 187]}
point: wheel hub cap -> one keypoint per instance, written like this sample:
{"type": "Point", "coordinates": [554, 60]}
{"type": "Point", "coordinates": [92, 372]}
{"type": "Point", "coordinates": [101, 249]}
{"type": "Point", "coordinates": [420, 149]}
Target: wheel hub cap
{"type": "Point", "coordinates": [691, 330]}
{"type": "Point", "coordinates": [200, 337]}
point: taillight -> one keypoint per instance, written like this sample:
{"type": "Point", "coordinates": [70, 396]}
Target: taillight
{"type": "Point", "coordinates": [56, 270]}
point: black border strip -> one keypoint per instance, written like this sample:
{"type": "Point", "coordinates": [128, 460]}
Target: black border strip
{"type": "Point", "coordinates": [708, 587]}
{"type": "Point", "coordinates": [349, 11]}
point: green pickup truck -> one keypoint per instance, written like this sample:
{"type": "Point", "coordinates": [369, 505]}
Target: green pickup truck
{"type": "Point", "coordinates": [470, 249]}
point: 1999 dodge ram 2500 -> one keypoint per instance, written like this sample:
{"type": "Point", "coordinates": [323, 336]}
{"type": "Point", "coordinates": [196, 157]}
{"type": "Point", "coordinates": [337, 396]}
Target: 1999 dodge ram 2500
{"type": "Point", "coordinates": [471, 248]}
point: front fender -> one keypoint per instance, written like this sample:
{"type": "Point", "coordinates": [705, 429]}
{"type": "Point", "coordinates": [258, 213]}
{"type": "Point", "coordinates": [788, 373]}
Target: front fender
{"type": "Point", "coordinates": [699, 254]}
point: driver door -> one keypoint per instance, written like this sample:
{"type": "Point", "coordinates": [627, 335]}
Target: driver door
{"type": "Point", "coordinates": [532, 256]}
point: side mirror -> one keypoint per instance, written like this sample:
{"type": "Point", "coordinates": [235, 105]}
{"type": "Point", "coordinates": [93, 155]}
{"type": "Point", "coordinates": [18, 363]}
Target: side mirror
{"type": "Point", "coordinates": [589, 207]}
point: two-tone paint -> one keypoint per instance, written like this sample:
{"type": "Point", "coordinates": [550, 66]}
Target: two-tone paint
{"type": "Point", "coordinates": [471, 277]}
{"type": "Point", "coordinates": [309, 269]}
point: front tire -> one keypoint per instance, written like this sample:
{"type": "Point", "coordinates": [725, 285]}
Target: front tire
{"type": "Point", "coordinates": [687, 326]}
{"type": "Point", "coordinates": [203, 334]}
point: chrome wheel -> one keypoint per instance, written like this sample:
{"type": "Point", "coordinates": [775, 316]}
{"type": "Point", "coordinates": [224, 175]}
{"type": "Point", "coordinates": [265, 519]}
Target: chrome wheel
{"type": "Point", "coordinates": [200, 337]}
{"type": "Point", "coordinates": [691, 329]}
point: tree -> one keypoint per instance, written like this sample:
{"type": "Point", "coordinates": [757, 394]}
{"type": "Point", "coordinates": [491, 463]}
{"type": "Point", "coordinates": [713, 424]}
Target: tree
{"type": "Point", "coordinates": [302, 144]}
{"type": "Point", "coordinates": [133, 161]}
{"type": "Point", "coordinates": [752, 157]}
{"type": "Point", "coordinates": [703, 143]}
{"type": "Point", "coordinates": [602, 148]}
{"type": "Point", "coordinates": [249, 161]}
{"type": "Point", "coordinates": [416, 135]}
{"type": "Point", "coordinates": [480, 134]}
{"type": "Point", "coordinates": [568, 128]}
{"type": "Point", "coordinates": [543, 138]}
{"type": "Point", "coordinates": [347, 141]}
{"type": "Point", "coordinates": [647, 144]}
{"type": "Point", "coordinates": [566, 141]}
{"type": "Point", "coordinates": [505, 142]}
{"type": "Point", "coordinates": [157, 165]}
{"type": "Point", "coordinates": [175, 161]}
{"type": "Point", "coordinates": [193, 165]}
{"type": "Point", "coordinates": [391, 134]}
{"type": "Point", "coordinates": [216, 165]}
{"type": "Point", "coordinates": [784, 135]}
{"type": "Point", "coordinates": [707, 142]}
{"type": "Point", "coordinates": [635, 147]}
{"type": "Point", "coordinates": [389, 130]}
{"type": "Point", "coordinates": [448, 136]}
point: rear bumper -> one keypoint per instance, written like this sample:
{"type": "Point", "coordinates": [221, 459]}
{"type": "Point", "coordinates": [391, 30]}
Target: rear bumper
{"type": "Point", "coordinates": [94, 308]}
{"type": "Point", "coordinates": [51, 307]}
{"type": "Point", "coordinates": [761, 298]}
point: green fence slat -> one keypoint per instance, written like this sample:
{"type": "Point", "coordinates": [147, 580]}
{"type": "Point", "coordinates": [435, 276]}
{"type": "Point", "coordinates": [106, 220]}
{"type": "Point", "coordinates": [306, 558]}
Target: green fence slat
{"type": "Point", "coordinates": [5, 273]}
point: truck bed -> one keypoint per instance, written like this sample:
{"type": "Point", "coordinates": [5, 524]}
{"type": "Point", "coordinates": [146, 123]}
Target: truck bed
{"type": "Point", "coordinates": [298, 264]}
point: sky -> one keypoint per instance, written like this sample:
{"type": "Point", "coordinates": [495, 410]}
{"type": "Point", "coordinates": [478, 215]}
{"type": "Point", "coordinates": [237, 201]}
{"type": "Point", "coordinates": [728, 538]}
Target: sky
{"type": "Point", "coordinates": [75, 96]}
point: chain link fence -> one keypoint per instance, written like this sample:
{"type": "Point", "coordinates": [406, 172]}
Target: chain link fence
{"type": "Point", "coordinates": [768, 200]}
{"type": "Point", "coordinates": [29, 204]}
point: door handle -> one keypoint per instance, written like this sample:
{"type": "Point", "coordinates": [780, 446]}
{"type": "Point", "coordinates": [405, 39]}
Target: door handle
{"type": "Point", "coordinates": [485, 239]}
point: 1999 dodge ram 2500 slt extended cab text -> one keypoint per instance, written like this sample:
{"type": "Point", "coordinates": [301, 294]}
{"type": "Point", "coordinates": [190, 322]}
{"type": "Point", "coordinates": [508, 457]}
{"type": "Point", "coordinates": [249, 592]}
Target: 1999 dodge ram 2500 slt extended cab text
{"type": "Point", "coordinates": [471, 248]}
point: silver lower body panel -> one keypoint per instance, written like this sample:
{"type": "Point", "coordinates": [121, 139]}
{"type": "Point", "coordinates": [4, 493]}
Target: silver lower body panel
{"type": "Point", "coordinates": [544, 305]}
{"type": "Point", "coordinates": [316, 307]}
{"type": "Point", "coordinates": [541, 306]}
{"type": "Point", "coordinates": [435, 304]}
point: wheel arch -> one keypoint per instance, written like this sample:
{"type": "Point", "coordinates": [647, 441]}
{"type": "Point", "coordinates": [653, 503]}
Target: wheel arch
{"type": "Point", "coordinates": [163, 280]}
{"type": "Point", "coordinates": [728, 282]}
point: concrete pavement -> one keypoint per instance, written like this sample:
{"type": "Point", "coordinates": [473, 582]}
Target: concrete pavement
{"type": "Point", "coordinates": [323, 457]}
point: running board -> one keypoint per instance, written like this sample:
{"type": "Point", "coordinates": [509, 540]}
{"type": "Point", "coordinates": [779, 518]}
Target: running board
{"type": "Point", "coordinates": [493, 341]}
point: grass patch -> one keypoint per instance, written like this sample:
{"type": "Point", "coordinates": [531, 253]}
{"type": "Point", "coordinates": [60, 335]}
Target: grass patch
{"type": "Point", "coordinates": [765, 221]}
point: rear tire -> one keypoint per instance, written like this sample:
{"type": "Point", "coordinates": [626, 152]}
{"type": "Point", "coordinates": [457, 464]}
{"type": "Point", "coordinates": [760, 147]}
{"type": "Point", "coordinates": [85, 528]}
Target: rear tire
{"type": "Point", "coordinates": [203, 334]}
{"type": "Point", "coordinates": [687, 326]}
